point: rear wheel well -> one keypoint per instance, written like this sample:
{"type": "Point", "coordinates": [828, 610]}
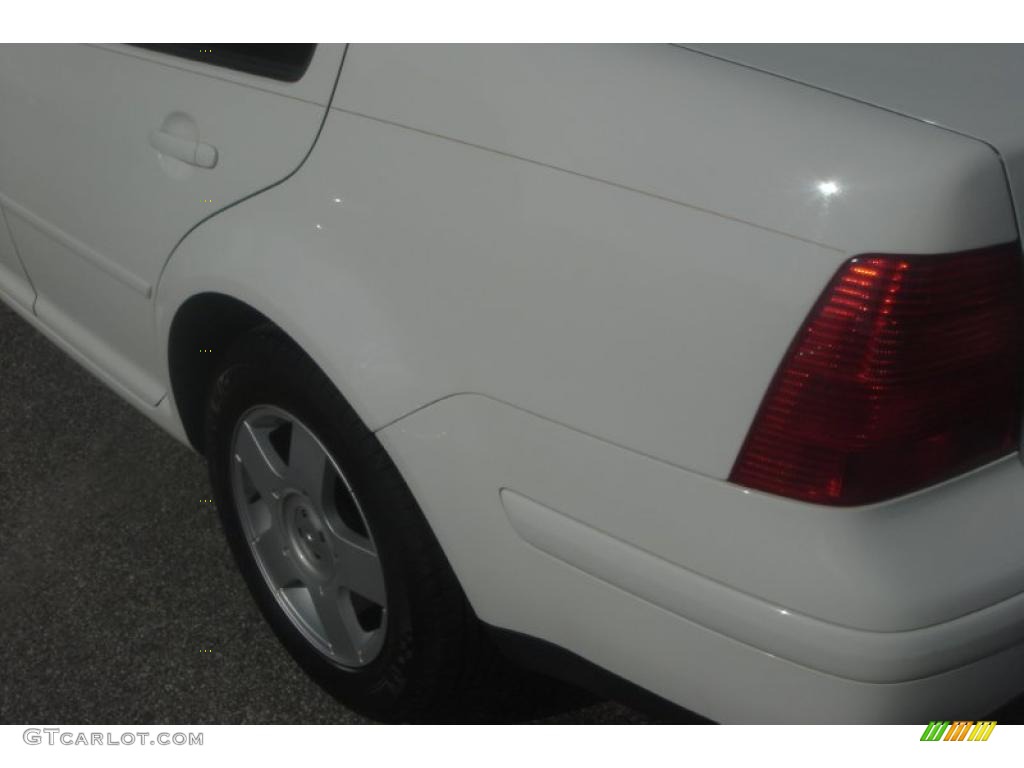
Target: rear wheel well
{"type": "Point", "coordinates": [202, 331]}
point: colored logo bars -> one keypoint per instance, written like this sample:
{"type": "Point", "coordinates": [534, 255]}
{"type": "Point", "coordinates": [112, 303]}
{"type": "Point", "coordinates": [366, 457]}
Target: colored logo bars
{"type": "Point", "coordinates": [959, 730]}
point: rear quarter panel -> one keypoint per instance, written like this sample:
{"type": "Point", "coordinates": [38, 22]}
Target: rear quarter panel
{"type": "Point", "coordinates": [619, 239]}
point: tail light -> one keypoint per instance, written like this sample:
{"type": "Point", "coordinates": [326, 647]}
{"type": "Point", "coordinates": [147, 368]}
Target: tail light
{"type": "Point", "coordinates": [907, 371]}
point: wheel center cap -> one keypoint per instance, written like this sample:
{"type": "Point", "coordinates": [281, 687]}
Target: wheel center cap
{"type": "Point", "coordinates": [308, 532]}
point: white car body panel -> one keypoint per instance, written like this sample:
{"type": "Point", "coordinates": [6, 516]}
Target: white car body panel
{"type": "Point", "coordinates": [429, 233]}
{"type": "Point", "coordinates": [975, 90]}
{"type": "Point", "coordinates": [564, 573]}
{"type": "Point", "coordinates": [75, 157]}
{"type": "Point", "coordinates": [557, 281]}
{"type": "Point", "coordinates": [686, 127]}
{"type": "Point", "coordinates": [463, 251]}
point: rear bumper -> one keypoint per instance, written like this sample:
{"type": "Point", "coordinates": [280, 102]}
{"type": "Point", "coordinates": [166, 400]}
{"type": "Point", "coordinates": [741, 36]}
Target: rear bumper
{"type": "Point", "coordinates": [739, 606]}
{"type": "Point", "coordinates": [860, 655]}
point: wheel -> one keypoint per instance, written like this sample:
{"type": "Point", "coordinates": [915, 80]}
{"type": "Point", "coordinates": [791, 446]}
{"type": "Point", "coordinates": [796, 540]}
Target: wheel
{"type": "Point", "coordinates": [333, 547]}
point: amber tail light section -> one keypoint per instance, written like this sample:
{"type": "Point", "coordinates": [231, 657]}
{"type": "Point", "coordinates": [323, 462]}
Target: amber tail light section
{"type": "Point", "coordinates": [906, 372]}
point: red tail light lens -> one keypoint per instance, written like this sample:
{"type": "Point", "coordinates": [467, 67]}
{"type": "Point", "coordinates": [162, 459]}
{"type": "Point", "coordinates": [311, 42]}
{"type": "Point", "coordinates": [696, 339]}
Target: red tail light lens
{"type": "Point", "coordinates": [907, 371]}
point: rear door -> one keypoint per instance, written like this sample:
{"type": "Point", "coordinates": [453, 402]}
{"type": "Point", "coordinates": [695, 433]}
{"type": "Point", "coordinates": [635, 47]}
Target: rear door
{"type": "Point", "coordinates": [110, 154]}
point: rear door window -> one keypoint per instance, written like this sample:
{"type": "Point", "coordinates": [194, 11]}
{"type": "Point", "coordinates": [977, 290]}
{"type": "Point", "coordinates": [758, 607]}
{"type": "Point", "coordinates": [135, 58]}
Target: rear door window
{"type": "Point", "coordinates": [279, 61]}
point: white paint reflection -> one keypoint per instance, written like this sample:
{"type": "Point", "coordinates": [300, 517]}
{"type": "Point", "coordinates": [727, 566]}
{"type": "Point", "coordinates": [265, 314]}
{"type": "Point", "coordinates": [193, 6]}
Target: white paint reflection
{"type": "Point", "coordinates": [829, 188]}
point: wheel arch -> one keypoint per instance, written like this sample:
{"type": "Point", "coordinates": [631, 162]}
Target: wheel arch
{"type": "Point", "coordinates": [208, 312]}
{"type": "Point", "coordinates": [203, 328]}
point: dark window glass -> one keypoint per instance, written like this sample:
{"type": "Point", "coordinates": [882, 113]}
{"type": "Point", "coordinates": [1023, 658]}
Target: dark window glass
{"type": "Point", "coordinates": [281, 61]}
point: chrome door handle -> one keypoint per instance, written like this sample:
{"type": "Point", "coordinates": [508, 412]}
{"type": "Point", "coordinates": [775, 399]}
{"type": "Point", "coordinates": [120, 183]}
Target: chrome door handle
{"type": "Point", "coordinates": [191, 152]}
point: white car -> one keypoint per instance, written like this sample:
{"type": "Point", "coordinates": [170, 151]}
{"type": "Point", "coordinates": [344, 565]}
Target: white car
{"type": "Point", "coordinates": [695, 371]}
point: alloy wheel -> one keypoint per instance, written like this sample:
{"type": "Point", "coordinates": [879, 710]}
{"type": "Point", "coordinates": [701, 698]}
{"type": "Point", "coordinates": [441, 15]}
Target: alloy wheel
{"type": "Point", "coordinates": [309, 535]}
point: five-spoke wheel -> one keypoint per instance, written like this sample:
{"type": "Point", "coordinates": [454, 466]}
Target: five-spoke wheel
{"type": "Point", "coordinates": [309, 535]}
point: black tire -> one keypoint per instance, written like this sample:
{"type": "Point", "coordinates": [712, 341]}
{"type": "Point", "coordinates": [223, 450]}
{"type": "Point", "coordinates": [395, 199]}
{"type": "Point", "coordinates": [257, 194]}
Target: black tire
{"type": "Point", "coordinates": [436, 664]}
